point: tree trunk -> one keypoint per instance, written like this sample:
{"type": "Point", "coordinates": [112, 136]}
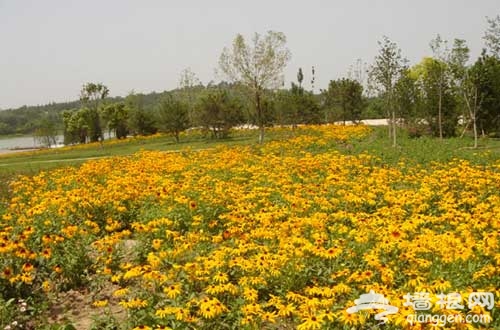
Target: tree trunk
{"type": "Point", "coordinates": [260, 120]}
{"type": "Point", "coordinates": [474, 118]}
{"type": "Point", "coordinates": [465, 129]}
{"type": "Point", "coordinates": [394, 128]}
{"type": "Point", "coordinates": [440, 116]}
{"type": "Point", "coordinates": [261, 134]}
{"type": "Point", "coordinates": [389, 113]}
{"type": "Point", "coordinates": [475, 130]}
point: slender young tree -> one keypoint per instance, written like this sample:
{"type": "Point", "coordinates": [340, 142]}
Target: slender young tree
{"type": "Point", "coordinates": [438, 98]}
{"type": "Point", "coordinates": [357, 71]}
{"type": "Point", "coordinates": [465, 82]}
{"type": "Point", "coordinates": [188, 83]}
{"type": "Point", "coordinates": [492, 36]}
{"type": "Point", "coordinates": [300, 77]}
{"type": "Point", "coordinates": [258, 65]}
{"type": "Point", "coordinates": [383, 75]}
{"type": "Point", "coordinates": [172, 116]}
{"type": "Point", "coordinates": [440, 50]}
{"type": "Point", "coordinates": [313, 78]}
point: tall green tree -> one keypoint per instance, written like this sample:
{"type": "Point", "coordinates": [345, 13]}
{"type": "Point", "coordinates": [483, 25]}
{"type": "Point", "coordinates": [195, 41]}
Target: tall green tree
{"type": "Point", "coordinates": [438, 100]}
{"type": "Point", "coordinates": [346, 95]}
{"type": "Point", "coordinates": [258, 65]}
{"type": "Point", "coordinates": [172, 116]}
{"type": "Point", "coordinates": [140, 120]}
{"type": "Point", "coordinates": [116, 116]}
{"type": "Point", "coordinates": [486, 75]}
{"type": "Point", "coordinates": [219, 111]}
{"type": "Point", "coordinates": [92, 96]}
{"type": "Point", "coordinates": [76, 125]}
{"type": "Point", "coordinates": [383, 75]}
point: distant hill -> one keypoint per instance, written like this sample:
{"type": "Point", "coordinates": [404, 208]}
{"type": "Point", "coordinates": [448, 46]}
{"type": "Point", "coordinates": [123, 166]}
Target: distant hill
{"type": "Point", "coordinates": [22, 120]}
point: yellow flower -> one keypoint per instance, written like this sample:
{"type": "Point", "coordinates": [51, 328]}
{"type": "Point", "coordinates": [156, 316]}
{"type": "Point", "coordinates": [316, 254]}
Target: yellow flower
{"type": "Point", "coordinates": [100, 303]}
{"type": "Point", "coordinates": [157, 243]}
{"type": "Point", "coordinates": [269, 317]}
{"type": "Point", "coordinates": [26, 278]}
{"type": "Point", "coordinates": [250, 294]}
{"type": "Point", "coordinates": [350, 319]}
{"type": "Point", "coordinates": [142, 327]}
{"type": "Point", "coordinates": [133, 303]}
{"type": "Point", "coordinates": [221, 278]}
{"type": "Point", "coordinates": [310, 322]}
{"type": "Point", "coordinates": [28, 267]}
{"type": "Point", "coordinates": [285, 310]}
{"type": "Point", "coordinates": [46, 286]}
{"type": "Point", "coordinates": [211, 307]}
{"type": "Point", "coordinates": [120, 292]}
{"type": "Point", "coordinates": [172, 291]}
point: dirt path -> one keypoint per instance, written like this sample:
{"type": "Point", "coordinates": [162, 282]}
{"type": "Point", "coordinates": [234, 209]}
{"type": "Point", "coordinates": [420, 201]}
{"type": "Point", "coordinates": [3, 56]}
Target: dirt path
{"type": "Point", "coordinates": [91, 158]}
{"type": "Point", "coordinates": [55, 160]}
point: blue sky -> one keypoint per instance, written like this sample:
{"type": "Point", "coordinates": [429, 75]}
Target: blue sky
{"type": "Point", "coordinates": [50, 48]}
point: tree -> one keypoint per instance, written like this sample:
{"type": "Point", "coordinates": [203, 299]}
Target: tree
{"type": "Point", "coordinates": [357, 71]}
{"type": "Point", "coordinates": [300, 77]}
{"type": "Point", "coordinates": [441, 53]}
{"type": "Point", "coordinates": [140, 121]}
{"type": "Point", "coordinates": [486, 74]}
{"type": "Point", "coordinates": [46, 131]}
{"type": "Point", "coordinates": [408, 98]}
{"type": "Point", "coordinates": [313, 78]}
{"type": "Point", "coordinates": [5, 129]}
{"type": "Point", "coordinates": [76, 128]}
{"type": "Point", "coordinates": [438, 101]}
{"type": "Point", "coordinates": [346, 95]}
{"type": "Point", "coordinates": [304, 107]}
{"type": "Point", "coordinates": [172, 116]}
{"type": "Point", "coordinates": [384, 73]}
{"type": "Point", "coordinates": [465, 83]}
{"type": "Point", "coordinates": [116, 116]}
{"type": "Point", "coordinates": [218, 112]}
{"type": "Point", "coordinates": [188, 83]}
{"type": "Point", "coordinates": [91, 97]}
{"type": "Point", "coordinates": [258, 65]}
{"type": "Point", "coordinates": [492, 36]}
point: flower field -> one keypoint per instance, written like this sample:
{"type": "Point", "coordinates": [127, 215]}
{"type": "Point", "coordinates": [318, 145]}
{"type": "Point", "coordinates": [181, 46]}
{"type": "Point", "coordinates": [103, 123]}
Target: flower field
{"type": "Point", "coordinates": [286, 235]}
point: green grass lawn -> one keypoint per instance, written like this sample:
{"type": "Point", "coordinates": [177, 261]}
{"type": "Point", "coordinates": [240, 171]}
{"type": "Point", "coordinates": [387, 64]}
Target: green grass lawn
{"type": "Point", "coordinates": [424, 150]}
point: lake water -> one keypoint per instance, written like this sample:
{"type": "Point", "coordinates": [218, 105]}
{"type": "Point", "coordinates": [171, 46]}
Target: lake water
{"type": "Point", "coordinates": [9, 144]}
{"type": "Point", "coordinates": [20, 142]}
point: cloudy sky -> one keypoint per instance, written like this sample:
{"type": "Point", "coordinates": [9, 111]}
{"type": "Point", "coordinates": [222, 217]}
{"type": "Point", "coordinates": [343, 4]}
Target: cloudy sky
{"type": "Point", "coordinates": [49, 48]}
